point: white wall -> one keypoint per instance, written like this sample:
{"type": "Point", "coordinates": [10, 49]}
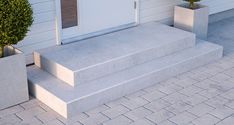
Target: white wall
{"type": "Point", "coordinates": [42, 33]}
{"type": "Point", "coordinates": [155, 10]}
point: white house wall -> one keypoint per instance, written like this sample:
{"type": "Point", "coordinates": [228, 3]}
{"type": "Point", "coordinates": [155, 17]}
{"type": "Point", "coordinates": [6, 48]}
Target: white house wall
{"type": "Point", "coordinates": [155, 10]}
{"type": "Point", "coordinates": [42, 33]}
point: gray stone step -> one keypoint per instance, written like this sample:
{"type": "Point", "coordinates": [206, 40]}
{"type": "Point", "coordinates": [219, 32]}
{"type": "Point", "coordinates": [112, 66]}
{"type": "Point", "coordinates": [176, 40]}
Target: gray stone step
{"type": "Point", "coordinates": [84, 61]}
{"type": "Point", "coordinates": [68, 100]}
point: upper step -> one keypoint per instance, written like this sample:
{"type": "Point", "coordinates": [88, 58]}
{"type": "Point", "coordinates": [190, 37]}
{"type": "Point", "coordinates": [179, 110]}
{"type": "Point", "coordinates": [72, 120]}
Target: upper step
{"type": "Point", "coordinates": [68, 100]}
{"type": "Point", "coordinates": [84, 61]}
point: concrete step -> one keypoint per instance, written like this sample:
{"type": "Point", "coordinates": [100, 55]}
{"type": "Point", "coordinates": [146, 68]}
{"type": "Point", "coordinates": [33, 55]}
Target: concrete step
{"type": "Point", "coordinates": [84, 61]}
{"type": "Point", "coordinates": [69, 101]}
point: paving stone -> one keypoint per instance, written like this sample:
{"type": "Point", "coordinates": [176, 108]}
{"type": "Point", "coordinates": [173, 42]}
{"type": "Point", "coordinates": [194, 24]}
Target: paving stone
{"type": "Point", "coordinates": [54, 122]}
{"type": "Point", "coordinates": [29, 113]}
{"type": "Point", "coordinates": [135, 103]}
{"type": "Point", "coordinates": [94, 119]}
{"type": "Point", "coordinates": [76, 123]}
{"type": "Point", "coordinates": [138, 113]}
{"type": "Point", "coordinates": [185, 75]}
{"type": "Point", "coordinates": [206, 84]}
{"type": "Point", "coordinates": [171, 80]}
{"type": "Point", "coordinates": [200, 76]}
{"type": "Point", "coordinates": [222, 112]}
{"type": "Point", "coordinates": [142, 122]}
{"type": "Point", "coordinates": [195, 99]}
{"type": "Point", "coordinates": [157, 105]}
{"type": "Point", "coordinates": [213, 69]}
{"type": "Point", "coordinates": [169, 88]}
{"type": "Point", "coordinates": [152, 88]}
{"type": "Point", "coordinates": [32, 121]}
{"type": "Point", "coordinates": [31, 103]}
{"type": "Point", "coordinates": [206, 120]}
{"type": "Point", "coordinates": [10, 111]}
{"type": "Point", "coordinates": [227, 121]}
{"type": "Point", "coordinates": [121, 120]}
{"type": "Point", "coordinates": [220, 77]}
{"type": "Point", "coordinates": [167, 123]}
{"type": "Point", "coordinates": [230, 104]}
{"type": "Point", "coordinates": [183, 118]}
{"type": "Point", "coordinates": [191, 90]}
{"type": "Point", "coordinates": [229, 95]}
{"type": "Point", "coordinates": [10, 119]}
{"type": "Point", "coordinates": [116, 111]}
{"type": "Point", "coordinates": [229, 72]}
{"type": "Point", "coordinates": [200, 110]}
{"type": "Point", "coordinates": [217, 102]}
{"type": "Point", "coordinates": [175, 97]}
{"type": "Point", "coordinates": [136, 94]}
{"type": "Point", "coordinates": [153, 96]}
{"type": "Point", "coordinates": [47, 116]}
{"type": "Point", "coordinates": [74, 119]}
{"type": "Point", "coordinates": [160, 116]}
{"type": "Point", "coordinates": [116, 102]}
{"type": "Point", "coordinates": [227, 85]}
{"type": "Point", "coordinates": [178, 107]}
{"type": "Point", "coordinates": [185, 82]}
{"type": "Point", "coordinates": [97, 110]}
{"type": "Point", "coordinates": [210, 93]}
{"type": "Point", "coordinates": [224, 64]}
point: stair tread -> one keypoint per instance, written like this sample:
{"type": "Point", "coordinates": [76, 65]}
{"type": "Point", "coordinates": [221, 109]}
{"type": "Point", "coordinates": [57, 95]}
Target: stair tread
{"type": "Point", "coordinates": [69, 94]}
{"type": "Point", "coordinates": [91, 52]}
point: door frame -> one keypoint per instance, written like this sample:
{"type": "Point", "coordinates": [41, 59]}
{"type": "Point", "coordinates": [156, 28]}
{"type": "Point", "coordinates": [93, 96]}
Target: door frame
{"type": "Point", "coordinates": [58, 22]}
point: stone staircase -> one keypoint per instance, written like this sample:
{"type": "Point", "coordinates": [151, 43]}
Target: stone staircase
{"type": "Point", "coordinates": [77, 77]}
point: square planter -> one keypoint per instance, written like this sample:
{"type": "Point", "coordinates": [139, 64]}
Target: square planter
{"type": "Point", "coordinates": [13, 78]}
{"type": "Point", "coordinates": [192, 20]}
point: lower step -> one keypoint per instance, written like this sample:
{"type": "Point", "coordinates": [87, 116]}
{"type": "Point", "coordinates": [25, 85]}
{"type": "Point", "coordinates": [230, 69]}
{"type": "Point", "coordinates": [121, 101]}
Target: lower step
{"type": "Point", "coordinates": [69, 101]}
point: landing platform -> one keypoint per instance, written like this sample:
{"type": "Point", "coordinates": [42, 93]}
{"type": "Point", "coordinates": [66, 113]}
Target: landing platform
{"type": "Point", "coordinates": [114, 51]}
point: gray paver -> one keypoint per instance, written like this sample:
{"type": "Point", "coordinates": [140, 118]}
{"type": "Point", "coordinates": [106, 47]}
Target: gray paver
{"type": "Point", "coordinates": [138, 113]}
{"type": "Point", "coordinates": [222, 112]}
{"type": "Point", "coordinates": [116, 111]}
{"type": "Point", "coordinates": [200, 110]}
{"type": "Point", "coordinates": [227, 121]}
{"type": "Point", "coordinates": [160, 116]}
{"type": "Point", "coordinates": [157, 105]}
{"type": "Point", "coordinates": [183, 118]}
{"type": "Point", "coordinates": [142, 122]}
{"type": "Point", "coordinates": [94, 119]}
{"type": "Point", "coordinates": [206, 120]}
{"type": "Point", "coordinates": [121, 120]}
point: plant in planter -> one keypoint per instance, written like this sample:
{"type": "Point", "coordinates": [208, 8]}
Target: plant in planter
{"type": "Point", "coordinates": [15, 19]}
{"type": "Point", "coordinates": [192, 17]}
{"type": "Point", "coordinates": [192, 4]}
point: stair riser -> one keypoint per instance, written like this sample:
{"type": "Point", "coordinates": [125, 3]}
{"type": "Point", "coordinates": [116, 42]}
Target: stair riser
{"type": "Point", "coordinates": [55, 69]}
{"type": "Point", "coordinates": [48, 98]}
{"type": "Point", "coordinates": [91, 73]}
{"type": "Point", "coordinates": [124, 88]}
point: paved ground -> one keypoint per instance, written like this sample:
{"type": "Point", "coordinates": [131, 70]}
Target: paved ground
{"type": "Point", "coordinates": [204, 96]}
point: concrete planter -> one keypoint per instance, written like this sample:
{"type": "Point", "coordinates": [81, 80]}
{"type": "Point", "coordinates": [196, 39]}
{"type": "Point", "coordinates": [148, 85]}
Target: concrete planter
{"type": "Point", "coordinates": [195, 21]}
{"type": "Point", "coordinates": [13, 78]}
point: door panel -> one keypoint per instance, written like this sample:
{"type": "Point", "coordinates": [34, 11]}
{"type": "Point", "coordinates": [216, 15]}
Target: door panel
{"type": "Point", "coordinates": [82, 17]}
{"type": "Point", "coordinates": [103, 14]}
